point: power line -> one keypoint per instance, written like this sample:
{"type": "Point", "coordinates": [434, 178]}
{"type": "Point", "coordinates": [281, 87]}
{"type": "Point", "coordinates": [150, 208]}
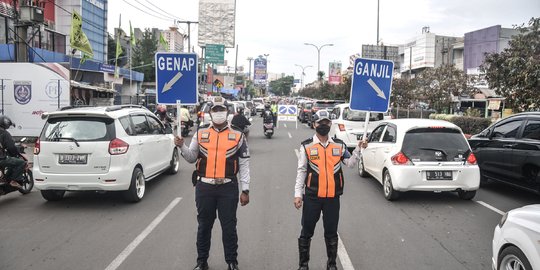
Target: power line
{"type": "Point", "coordinates": [145, 11]}
{"type": "Point", "coordinates": [67, 11]}
{"type": "Point", "coordinates": [158, 13]}
{"type": "Point", "coordinates": [178, 18]}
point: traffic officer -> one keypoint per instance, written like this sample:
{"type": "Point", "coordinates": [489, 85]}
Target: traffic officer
{"type": "Point", "coordinates": [274, 109]}
{"type": "Point", "coordinates": [220, 152]}
{"type": "Point", "coordinates": [319, 184]}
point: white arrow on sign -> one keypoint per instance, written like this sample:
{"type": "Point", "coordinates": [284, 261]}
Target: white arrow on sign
{"type": "Point", "coordinates": [168, 85]}
{"type": "Point", "coordinates": [380, 93]}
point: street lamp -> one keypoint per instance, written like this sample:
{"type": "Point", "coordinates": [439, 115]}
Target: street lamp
{"type": "Point", "coordinates": [303, 74]}
{"type": "Point", "coordinates": [318, 54]}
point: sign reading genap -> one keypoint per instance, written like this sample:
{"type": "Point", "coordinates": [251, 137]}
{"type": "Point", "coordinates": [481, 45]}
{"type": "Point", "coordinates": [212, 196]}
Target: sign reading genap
{"type": "Point", "coordinates": [176, 78]}
{"type": "Point", "coordinates": [371, 85]}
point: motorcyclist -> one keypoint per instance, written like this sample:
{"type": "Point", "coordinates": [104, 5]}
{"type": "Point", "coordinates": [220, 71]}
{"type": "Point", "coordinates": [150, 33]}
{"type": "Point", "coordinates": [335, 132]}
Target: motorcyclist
{"type": "Point", "coordinates": [268, 115]}
{"type": "Point", "coordinates": [240, 121]}
{"type": "Point", "coordinates": [185, 116]}
{"type": "Point", "coordinates": [162, 114]}
{"type": "Point", "coordinates": [9, 155]}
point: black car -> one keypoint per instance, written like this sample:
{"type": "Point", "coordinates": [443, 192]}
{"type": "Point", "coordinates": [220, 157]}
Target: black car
{"type": "Point", "coordinates": [509, 151]}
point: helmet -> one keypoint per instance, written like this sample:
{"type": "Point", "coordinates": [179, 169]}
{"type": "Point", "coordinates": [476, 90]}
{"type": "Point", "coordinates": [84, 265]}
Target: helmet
{"type": "Point", "coordinates": [5, 122]}
{"type": "Point", "coordinates": [267, 106]}
{"type": "Point", "coordinates": [240, 110]}
{"type": "Point", "coordinates": [219, 101]}
{"type": "Point", "coordinates": [321, 115]}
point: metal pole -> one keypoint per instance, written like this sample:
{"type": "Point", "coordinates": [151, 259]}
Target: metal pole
{"type": "Point", "coordinates": [2, 96]}
{"type": "Point", "coordinates": [189, 36]}
{"type": "Point", "coordinates": [378, 22]}
{"type": "Point", "coordinates": [58, 93]}
{"type": "Point", "coordinates": [410, 63]}
{"type": "Point", "coordinates": [235, 66]}
{"type": "Point", "coordinates": [319, 60]}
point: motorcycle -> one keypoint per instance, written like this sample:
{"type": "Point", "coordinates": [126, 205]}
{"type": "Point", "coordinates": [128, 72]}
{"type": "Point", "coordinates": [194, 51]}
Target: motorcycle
{"type": "Point", "coordinates": [268, 129]}
{"type": "Point", "coordinates": [28, 180]}
{"type": "Point", "coordinates": [185, 128]}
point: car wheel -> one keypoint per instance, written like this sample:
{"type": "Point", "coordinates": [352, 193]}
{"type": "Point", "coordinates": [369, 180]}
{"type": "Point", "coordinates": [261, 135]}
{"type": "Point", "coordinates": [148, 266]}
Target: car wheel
{"type": "Point", "coordinates": [466, 195]}
{"type": "Point", "coordinates": [389, 192]}
{"type": "Point", "coordinates": [136, 188]}
{"type": "Point", "coordinates": [175, 163]}
{"type": "Point", "coordinates": [513, 258]}
{"type": "Point", "coordinates": [361, 170]}
{"type": "Point", "coordinates": [53, 195]}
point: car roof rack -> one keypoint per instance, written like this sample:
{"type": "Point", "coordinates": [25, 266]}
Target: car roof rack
{"type": "Point", "coordinates": [125, 106]}
{"type": "Point", "coordinates": [75, 107]}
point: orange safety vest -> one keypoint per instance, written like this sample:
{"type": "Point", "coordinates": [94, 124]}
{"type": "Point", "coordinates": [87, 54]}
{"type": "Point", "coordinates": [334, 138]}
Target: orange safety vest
{"type": "Point", "coordinates": [218, 152]}
{"type": "Point", "coordinates": [324, 177]}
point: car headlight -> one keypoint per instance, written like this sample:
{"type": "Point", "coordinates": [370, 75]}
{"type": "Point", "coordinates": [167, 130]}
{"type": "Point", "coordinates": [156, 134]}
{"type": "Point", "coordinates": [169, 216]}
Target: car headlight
{"type": "Point", "coordinates": [503, 220]}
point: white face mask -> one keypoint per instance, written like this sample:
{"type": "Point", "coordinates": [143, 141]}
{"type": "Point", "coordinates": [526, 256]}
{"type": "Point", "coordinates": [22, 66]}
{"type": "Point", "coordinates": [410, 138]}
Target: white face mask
{"type": "Point", "coordinates": [219, 117]}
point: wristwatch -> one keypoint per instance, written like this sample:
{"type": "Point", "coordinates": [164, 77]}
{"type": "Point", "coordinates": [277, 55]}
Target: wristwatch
{"type": "Point", "coordinates": [246, 191]}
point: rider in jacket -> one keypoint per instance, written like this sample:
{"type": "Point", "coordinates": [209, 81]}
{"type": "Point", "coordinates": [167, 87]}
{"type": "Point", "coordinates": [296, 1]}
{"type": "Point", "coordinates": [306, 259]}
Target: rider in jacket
{"type": "Point", "coordinates": [9, 155]}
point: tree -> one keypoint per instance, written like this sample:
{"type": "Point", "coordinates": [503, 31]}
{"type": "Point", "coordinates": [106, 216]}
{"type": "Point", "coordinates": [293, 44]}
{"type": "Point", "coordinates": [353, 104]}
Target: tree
{"type": "Point", "coordinates": [111, 52]}
{"type": "Point", "coordinates": [320, 75]}
{"type": "Point", "coordinates": [403, 92]}
{"type": "Point", "coordinates": [143, 55]}
{"type": "Point", "coordinates": [514, 73]}
{"type": "Point", "coordinates": [282, 86]}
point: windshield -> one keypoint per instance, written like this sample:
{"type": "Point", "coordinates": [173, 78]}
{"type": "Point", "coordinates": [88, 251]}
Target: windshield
{"type": "Point", "coordinates": [360, 116]}
{"type": "Point", "coordinates": [324, 105]}
{"type": "Point", "coordinates": [435, 144]}
{"type": "Point", "coordinates": [80, 129]}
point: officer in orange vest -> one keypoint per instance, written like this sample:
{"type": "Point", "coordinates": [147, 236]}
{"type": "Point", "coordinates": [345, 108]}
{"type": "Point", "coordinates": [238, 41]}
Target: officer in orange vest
{"type": "Point", "coordinates": [220, 153]}
{"type": "Point", "coordinates": [319, 183]}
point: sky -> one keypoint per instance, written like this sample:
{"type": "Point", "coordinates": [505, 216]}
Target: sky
{"type": "Point", "coordinates": [281, 27]}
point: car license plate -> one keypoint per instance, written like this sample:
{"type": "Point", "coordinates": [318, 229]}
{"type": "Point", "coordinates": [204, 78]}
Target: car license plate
{"type": "Point", "coordinates": [72, 158]}
{"type": "Point", "coordinates": [439, 175]}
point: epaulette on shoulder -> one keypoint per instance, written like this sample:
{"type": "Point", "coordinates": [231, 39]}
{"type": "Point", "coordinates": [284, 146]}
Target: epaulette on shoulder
{"type": "Point", "coordinates": [236, 128]}
{"type": "Point", "coordinates": [338, 140]}
{"type": "Point", "coordinates": [203, 126]}
{"type": "Point", "coordinates": [308, 141]}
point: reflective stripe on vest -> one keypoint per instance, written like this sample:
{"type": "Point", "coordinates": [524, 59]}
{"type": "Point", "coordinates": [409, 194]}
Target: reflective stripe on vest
{"type": "Point", "coordinates": [324, 166]}
{"type": "Point", "coordinates": [217, 152]}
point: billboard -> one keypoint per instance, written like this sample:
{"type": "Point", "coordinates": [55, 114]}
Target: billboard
{"type": "Point", "coordinates": [217, 22]}
{"type": "Point", "coordinates": [259, 73]}
{"type": "Point", "coordinates": [334, 74]}
{"type": "Point", "coordinates": [26, 98]}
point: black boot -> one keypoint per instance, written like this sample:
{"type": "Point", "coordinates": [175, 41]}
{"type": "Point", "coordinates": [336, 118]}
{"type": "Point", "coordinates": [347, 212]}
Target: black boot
{"type": "Point", "coordinates": [201, 266]}
{"type": "Point", "coordinates": [303, 248]}
{"type": "Point", "coordinates": [331, 251]}
{"type": "Point", "coordinates": [233, 266]}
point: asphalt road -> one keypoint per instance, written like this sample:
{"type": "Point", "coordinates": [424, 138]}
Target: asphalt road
{"type": "Point", "coordinates": [101, 231]}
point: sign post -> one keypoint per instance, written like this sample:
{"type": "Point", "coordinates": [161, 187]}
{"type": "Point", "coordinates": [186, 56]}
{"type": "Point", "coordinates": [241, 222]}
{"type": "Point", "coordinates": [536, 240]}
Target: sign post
{"type": "Point", "coordinates": [371, 87]}
{"type": "Point", "coordinates": [176, 81]}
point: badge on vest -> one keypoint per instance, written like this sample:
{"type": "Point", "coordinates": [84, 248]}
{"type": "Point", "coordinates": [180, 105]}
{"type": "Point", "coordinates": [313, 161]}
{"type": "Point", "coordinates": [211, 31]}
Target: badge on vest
{"type": "Point", "coordinates": [336, 152]}
{"type": "Point", "coordinates": [313, 154]}
{"type": "Point", "coordinates": [205, 135]}
{"type": "Point", "coordinates": [232, 137]}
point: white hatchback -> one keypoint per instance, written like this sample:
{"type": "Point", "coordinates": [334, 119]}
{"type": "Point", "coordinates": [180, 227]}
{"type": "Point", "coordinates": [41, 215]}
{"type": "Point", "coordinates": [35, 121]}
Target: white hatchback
{"type": "Point", "coordinates": [349, 125]}
{"type": "Point", "coordinates": [516, 240]}
{"type": "Point", "coordinates": [421, 155]}
{"type": "Point", "coordinates": [114, 148]}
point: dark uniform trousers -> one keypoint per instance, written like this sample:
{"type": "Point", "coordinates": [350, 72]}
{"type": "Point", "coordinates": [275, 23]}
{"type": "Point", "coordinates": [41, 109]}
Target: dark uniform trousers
{"type": "Point", "coordinates": [223, 199]}
{"type": "Point", "coordinates": [16, 168]}
{"type": "Point", "coordinates": [311, 212]}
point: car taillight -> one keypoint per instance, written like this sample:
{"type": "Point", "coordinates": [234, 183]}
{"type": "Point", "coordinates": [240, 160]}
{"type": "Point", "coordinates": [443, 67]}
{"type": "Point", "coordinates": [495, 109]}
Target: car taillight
{"type": "Point", "coordinates": [37, 147]}
{"type": "Point", "coordinates": [341, 127]}
{"type": "Point", "coordinates": [471, 159]}
{"type": "Point", "coordinates": [118, 147]}
{"type": "Point", "coordinates": [401, 159]}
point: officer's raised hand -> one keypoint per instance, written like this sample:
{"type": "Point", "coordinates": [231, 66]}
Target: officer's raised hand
{"type": "Point", "coordinates": [298, 202]}
{"type": "Point", "coordinates": [362, 144]}
{"type": "Point", "coordinates": [179, 141]}
{"type": "Point", "coordinates": [244, 198]}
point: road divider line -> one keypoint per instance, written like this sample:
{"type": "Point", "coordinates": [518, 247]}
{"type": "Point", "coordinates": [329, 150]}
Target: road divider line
{"type": "Point", "coordinates": [344, 256]}
{"type": "Point", "coordinates": [491, 208]}
{"type": "Point", "coordinates": [297, 153]}
{"type": "Point", "coordinates": [290, 136]}
{"type": "Point", "coordinates": [285, 125]}
{"type": "Point", "coordinates": [138, 240]}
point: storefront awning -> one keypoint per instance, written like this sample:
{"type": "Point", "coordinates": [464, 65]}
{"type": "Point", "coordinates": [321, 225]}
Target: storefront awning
{"type": "Point", "coordinates": [91, 87]}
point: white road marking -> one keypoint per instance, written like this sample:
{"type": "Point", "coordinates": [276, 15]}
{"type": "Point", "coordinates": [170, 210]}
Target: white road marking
{"type": "Point", "coordinates": [343, 256]}
{"type": "Point", "coordinates": [290, 136]}
{"type": "Point", "coordinates": [491, 208]}
{"type": "Point", "coordinates": [285, 125]}
{"type": "Point", "coordinates": [297, 153]}
{"type": "Point", "coordinates": [133, 245]}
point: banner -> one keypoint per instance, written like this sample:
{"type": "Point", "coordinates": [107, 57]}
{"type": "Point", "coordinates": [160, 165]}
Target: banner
{"type": "Point", "coordinates": [217, 22]}
{"type": "Point", "coordinates": [259, 73]}
{"type": "Point", "coordinates": [78, 40]}
{"type": "Point", "coordinates": [334, 75]}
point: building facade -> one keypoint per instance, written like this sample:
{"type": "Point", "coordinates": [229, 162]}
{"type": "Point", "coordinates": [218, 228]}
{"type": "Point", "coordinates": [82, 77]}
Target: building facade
{"type": "Point", "coordinates": [174, 38]}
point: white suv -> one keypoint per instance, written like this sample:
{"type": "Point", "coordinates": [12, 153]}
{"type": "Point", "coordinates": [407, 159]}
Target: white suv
{"type": "Point", "coordinates": [114, 148]}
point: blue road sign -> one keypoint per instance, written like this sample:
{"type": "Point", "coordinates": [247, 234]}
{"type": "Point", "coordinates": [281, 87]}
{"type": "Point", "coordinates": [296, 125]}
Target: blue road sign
{"type": "Point", "coordinates": [371, 85]}
{"type": "Point", "coordinates": [292, 110]}
{"type": "Point", "coordinates": [282, 109]}
{"type": "Point", "coordinates": [176, 78]}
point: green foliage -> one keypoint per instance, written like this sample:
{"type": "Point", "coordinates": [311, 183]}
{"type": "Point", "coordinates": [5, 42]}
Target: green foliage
{"type": "Point", "coordinates": [327, 91]}
{"type": "Point", "coordinates": [446, 117]}
{"type": "Point", "coordinates": [471, 125]}
{"type": "Point", "coordinates": [514, 73]}
{"type": "Point", "coordinates": [473, 112]}
{"type": "Point", "coordinates": [111, 52]}
{"type": "Point", "coordinates": [402, 93]}
{"type": "Point", "coordinates": [282, 86]}
{"type": "Point", "coordinates": [320, 75]}
{"type": "Point", "coordinates": [143, 54]}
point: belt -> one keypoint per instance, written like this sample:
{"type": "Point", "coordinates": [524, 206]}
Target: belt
{"type": "Point", "coordinates": [215, 181]}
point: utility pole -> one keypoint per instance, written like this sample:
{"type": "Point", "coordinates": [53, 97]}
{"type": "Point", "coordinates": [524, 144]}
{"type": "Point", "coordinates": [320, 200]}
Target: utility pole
{"type": "Point", "coordinates": [378, 22]}
{"type": "Point", "coordinates": [410, 63]}
{"type": "Point", "coordinates": [189, 32]}
{"type": "Point", "coordinates": [3, 90]}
